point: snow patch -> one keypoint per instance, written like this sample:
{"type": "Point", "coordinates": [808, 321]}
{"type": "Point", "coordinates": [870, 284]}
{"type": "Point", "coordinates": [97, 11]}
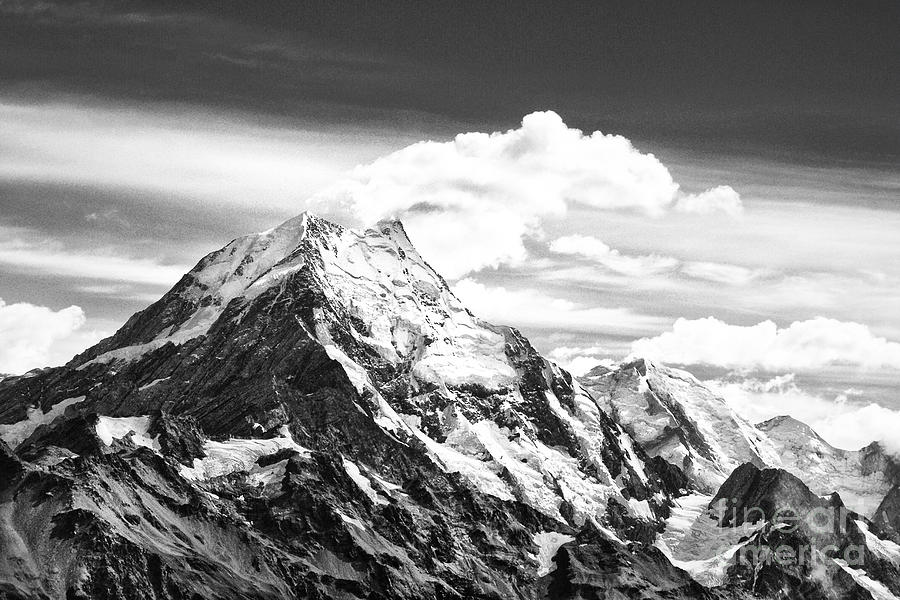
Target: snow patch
{"type": "Point", "coordinates": [269, 475]}
{"type": "Point", "coordinates": [641, 509]}
{"type": "Point", "coordinates": [474, 470]}
{"type": "Point", "coordinates": [351, 520]}
{"type": "Point", "coordinates": [548, 543]}
{"type": "Point", "coordinates": [883, 548]}
{"type": "Point", "coordinates": [151, 384]}
{"type": "Point", "coordinates": [16, 433]}
{"type": "Point", "coordinates": [110, 428]}
{"type": "Point", "coordinates": [631, 456]}
{"type": "Point", "coordinates": [363, 482]}
{"type": "Point", "coordinates": [693, 540]}
{"type": "Point", "coordinates": [231, 456]}
{"type": "Point", "coordinates": [125, 354]}
{"type": "Point", "coordinates": [875, 588]}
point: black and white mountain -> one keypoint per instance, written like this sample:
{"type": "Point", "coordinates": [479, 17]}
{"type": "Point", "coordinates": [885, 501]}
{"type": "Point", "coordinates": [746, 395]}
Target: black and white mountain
{"type": "Point", "coordinates": [310, 412]}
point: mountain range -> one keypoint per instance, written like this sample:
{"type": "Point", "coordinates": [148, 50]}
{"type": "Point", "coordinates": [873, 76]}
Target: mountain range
{"type": "Point", "coordinates": [310, 412]}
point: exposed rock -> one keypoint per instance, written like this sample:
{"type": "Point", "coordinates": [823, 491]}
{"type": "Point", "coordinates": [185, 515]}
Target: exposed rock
{"type": "Point", "coordinates": [888, 513]}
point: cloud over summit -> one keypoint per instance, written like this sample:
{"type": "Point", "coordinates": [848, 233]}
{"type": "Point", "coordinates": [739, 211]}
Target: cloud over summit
{"type": "Point", "coordinates": [469, 202]}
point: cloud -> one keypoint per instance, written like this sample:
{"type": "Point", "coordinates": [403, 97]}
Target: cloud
{"type": "Point", "coordinates": [841, 422]}
{"type": "Point", "coordinates": [722, 273]}
{"type": "Point", "coordinates": [37, 336]}
{"type": "Point", "coordinates": [652, 264]}
{"type": "Point", "coordinates": [634, 266]}
{"type": "Point", "coordinates": [579, 360]}
{"type": "Point", "coordinates": [19, 252]}
{"type": "Point", "coordinates": [469, 202]}
{"type": "Point", "coordinates": [179, 153]}
{"type": "Point", "coordinates": [810, 344]}
{"type": "Point", "coordinates": [531, 308]}
{"type": "Point", "coordinates": [718, 199]}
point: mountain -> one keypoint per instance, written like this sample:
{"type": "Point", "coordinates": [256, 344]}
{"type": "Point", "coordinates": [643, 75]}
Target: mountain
{"type": "Point", "coordinates": [766, 533]}
{"type": "Point", "coordinates": [311, 408]}
{"type": "Point", "coordinates": [674, 416]}
{"type": "Point", "coordinates": [310, 412]}
{"type": "Point", "coordinates": [862, 477]}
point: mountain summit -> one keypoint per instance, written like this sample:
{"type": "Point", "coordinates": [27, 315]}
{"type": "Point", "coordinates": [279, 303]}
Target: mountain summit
{"type": "Point", "coordinates": [310, 412]}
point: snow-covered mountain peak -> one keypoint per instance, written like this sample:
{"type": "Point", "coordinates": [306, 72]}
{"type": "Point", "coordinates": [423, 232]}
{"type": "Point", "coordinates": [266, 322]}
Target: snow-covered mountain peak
{"type": "Point", "coordinates": [861, 477]}
{"type": "Point", "coordinates": [675, 416]}
{"type": "Point", "coordinates": [785, 427]}
{"type": "Point", "coordinates": [380, 258]}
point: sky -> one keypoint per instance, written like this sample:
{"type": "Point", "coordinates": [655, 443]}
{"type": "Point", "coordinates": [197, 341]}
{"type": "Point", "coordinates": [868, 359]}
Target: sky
{"type": "Point", "coordinates": [707, 185]}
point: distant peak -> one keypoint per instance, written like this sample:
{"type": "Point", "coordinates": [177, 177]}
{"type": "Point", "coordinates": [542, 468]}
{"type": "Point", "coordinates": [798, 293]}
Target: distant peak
{"type": "Point", "coordinates": [784, 426]}
{"type": "Point", "coordinates": [394, 229]}
{"type": "Point", "coordinates": [785, 422]}
{"type": "Point", "coordinates": [638, 364]}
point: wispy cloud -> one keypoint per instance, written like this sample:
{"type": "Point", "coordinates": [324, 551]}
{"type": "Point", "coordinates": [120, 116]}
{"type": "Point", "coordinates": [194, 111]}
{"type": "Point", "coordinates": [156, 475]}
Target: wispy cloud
{"type": "Point", "coordinates": [632, 266]}
{"type": "Point", "coordinates": [532, 308]}
{"type": "Point", "coordinates": [187, 154]}
{"type": "Point", "coordinates": [844, 421]}
{"type": "Point", "coordinates": [26, 252]}
{"type": "Point", "coordinates": [723, 273]}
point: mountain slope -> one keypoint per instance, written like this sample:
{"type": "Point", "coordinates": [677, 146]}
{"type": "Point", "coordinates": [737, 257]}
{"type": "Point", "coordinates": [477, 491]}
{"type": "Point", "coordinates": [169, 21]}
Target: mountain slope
{"type": "Point", "coordinates": [317, 401]}
{"type": "Point", "coordinates": [796, 542]}
{"type": "Point", "coordinates": [862, 478]}
{"type": "Point", "coordinates": [676, 417]}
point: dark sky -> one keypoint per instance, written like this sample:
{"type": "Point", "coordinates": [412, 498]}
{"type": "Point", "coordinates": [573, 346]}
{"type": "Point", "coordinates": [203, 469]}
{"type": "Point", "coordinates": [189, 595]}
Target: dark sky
{"type": "Point", "coordinates": [806, 81]}
{"type": "Point", "coordinates": [135, 137]}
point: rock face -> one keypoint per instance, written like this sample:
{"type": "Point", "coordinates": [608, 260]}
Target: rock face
{"type": "Point", "coordinates": [766, 534]}
{"type": "Point", "coordinates": [887, 515]}
{"type": "Point", "coordinates": [802, 541]}
{"type": "Point", "coordinates": [311, 413]}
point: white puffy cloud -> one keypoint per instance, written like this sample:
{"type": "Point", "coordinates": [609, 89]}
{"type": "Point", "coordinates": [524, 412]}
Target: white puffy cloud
{"type": "Point", "coordinates": [36, 336]}
{"type": "Point", "coordinates": [469, 202]}
{"type": "Point", "coordinates": [809, 344]}
{"type": "Point", "coordinates": [532, 309]}
{"type": "Point", "coordinates": [841, 422]}
{"type": "Point", "coordinates": [595, 249]}
{"type": "Point", "coordinates": [722, 198]}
